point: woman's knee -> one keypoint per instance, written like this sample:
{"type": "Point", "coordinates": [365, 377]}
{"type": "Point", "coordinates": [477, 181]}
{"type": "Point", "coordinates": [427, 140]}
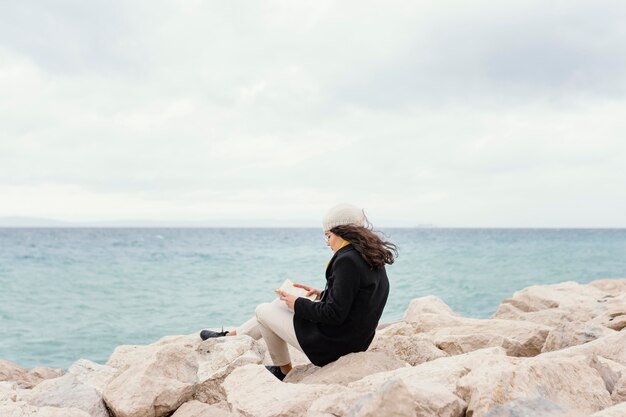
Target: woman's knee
{"type": "Point", "coordinates": [262, 311]}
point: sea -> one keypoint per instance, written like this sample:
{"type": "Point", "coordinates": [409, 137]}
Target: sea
{"type": "Point", "coordinates": [71, 293]}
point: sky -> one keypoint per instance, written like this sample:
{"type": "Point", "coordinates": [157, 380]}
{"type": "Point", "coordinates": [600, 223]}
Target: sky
{"type": "Point", "coordinates": [444, 113]}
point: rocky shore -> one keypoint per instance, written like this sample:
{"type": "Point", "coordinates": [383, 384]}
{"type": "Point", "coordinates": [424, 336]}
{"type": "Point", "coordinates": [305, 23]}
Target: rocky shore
{"type": "Point", "coordinates": [549, 351]}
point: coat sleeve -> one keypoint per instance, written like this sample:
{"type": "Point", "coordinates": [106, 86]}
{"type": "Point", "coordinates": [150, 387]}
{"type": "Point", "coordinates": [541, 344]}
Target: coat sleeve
{"type": "Point", "coordinates": [339, 298]}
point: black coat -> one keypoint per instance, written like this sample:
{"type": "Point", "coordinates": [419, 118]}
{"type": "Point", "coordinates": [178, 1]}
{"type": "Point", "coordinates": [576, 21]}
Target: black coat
{"type": "Point", "coordinates": [346, 317]}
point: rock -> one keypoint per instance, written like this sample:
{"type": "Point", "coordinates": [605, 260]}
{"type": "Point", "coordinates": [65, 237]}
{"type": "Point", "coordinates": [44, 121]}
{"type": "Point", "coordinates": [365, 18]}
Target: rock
{"type": "Point", "coordinates": [426, 305]}
{"type": "Point", "coordinates": [535, 407]}
{"type": "Point", "coordinates": [610, 371]}
{"type": "Point", "coordinates": [455, 335]}
{"type": "Point", "coordinates": [218, 358]}
{"type": "Point", "coordinates": [92, 374]}
{"type": "Point", "coordinates": [22, 409]}
{"type": "Point", "coordinates": [66, 392]}
{"type": "Point", "coordinates": [609, 347]}
{"type": "Point", "coordinates": [569, 382]}
{"type": "Point", "coordinates": [618, 395]}
{"type": "Point", "coordinates": [198, 409]}
{"type": "Point", "coordinates": [573, 333]}
{"type": "Point", "coordinates": [8, 391]}
{"type": "Point", "coordinates": [414, 349]}
{"type": "Point", "coordinates": [568, 295]}
{"type": "Point", "coordinates": [610, 286]}
{"type": "Point", "coordinates": [349, 368]}
{"type": "Point", "coordinates": [26, 378]}
{"type": "Point", "coordinates": [442, 373]}
{"type": "Point", "coordinates": [618, 410]}
{"type": "Point", "coordinates": [393, 397]}
{"type": "Point", "coordinates": [155, 385]}
{"type": "Point", "coordinates": [252, 390]}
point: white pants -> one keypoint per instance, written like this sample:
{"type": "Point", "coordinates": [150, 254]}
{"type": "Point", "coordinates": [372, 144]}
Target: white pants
{"type": "Point", "coordinates": [273, 322]}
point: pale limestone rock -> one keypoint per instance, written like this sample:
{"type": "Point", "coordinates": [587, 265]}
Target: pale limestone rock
{"type": "Point", "coordinates": [456, 335]}
{"type": "Point", "coordinates": [414, 349]}
{"type": "Point", "coordinates": [349, 368]}
{"type": "Point", "coordinates": [609, 347]}
{"type": "Point", "coordinates": [23, 409]}
{"type": "Point", "coordinates": [8, 391]}
{"type": "Point", "coordinates": [429, 304]}
{"type": "Point", "coordinates": [535, 407]}
{"type": "Point", "coordinates": [572, 334]}
{"type": "Point", "coordinates": [66, 392]}
{"type": "Point", "coordinates": [618, 395]}
{"type": "Point", "coordinates": [569, 382]}
{"type": "Point", "coordinates": [157, 384]}
{"type": "Point", "coordinates": [126, 356]}
{"type": "Point", "coordinates": [400, 328]}
{"type": "Point", "coordinates": [568, 295]}
{"type": "Point", "coordinates": [617, 323]}
{"type": "Point", "coordinates": [610, 286]}
{"type": "Point", "coordinates": [92, 374]}
{"type": "Point", "coordinates": [218, 357]}
{"type": "Point", "coordinates": [610, 371]}
{"type": "Point", "coordinates": [551, 317]}
{"type": "Point", "coordinates": [198, 409]}
{"type": "Point", "coordinates": [444, 371]}
{"type": "Point", "coordinates": [391, 397]}
{"type": "Point", "coordinates": [618, 410]}
{"type": "Point", "coordinates": [253, 391]}
{"type": "Point", "coordinates": [26, 378]}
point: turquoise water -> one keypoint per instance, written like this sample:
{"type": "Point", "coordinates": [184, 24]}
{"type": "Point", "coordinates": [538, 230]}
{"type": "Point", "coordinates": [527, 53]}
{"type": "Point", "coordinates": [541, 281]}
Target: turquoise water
{"type": "Point", "coordinates": [67, 294]}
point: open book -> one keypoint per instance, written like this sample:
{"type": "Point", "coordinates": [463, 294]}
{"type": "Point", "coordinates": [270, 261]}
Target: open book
{"type": "Point", "coordinates": [298, 292]}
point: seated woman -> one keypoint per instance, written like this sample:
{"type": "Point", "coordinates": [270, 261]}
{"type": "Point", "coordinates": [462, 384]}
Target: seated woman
{"type": "Point", "coordinates": [344, 316]}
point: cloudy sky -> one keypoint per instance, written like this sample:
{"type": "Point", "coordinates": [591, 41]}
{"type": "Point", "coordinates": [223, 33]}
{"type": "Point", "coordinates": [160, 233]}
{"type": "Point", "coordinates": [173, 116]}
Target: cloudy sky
{"type": "Point", "coordinates": [451, 113]}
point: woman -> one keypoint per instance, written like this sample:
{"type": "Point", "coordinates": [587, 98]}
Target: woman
{"type": "Point", "coordinates": [344, 316]}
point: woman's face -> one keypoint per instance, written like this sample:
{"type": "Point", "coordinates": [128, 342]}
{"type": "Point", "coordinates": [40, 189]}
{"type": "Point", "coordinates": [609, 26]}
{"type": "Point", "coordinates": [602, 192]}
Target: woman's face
{"type": "Point", "coordinates": [333, 241]}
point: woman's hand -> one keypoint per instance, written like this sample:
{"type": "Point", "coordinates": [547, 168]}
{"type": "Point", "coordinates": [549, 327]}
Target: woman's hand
{"type": "Point", "coordinates": [310, 290]}
{"type": "Point", "coordinates": [289, 299]}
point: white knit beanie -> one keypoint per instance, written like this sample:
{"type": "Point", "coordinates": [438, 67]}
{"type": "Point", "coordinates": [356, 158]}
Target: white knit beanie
{"type": "Point", "coordinates": [343, 214]}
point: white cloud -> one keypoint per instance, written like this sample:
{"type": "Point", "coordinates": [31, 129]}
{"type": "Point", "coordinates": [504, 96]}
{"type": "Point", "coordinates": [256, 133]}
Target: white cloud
{"type": "Point", "coordinates": [452, 113]}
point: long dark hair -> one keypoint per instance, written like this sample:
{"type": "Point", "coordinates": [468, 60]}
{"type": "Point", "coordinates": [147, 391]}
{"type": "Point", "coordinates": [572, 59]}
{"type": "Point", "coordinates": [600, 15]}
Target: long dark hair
{"type": "Point", "coordinates": [376, 251]}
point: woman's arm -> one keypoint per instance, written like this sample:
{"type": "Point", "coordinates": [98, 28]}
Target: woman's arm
{"type": "Point", "coordinates": [341, 294]}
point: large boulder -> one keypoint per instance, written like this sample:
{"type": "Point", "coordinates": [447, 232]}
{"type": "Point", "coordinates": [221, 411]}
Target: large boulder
{"type": "Point", "coordinates": [8, 391]}
{"type": "Point", "coordinates": [198, 409]}
{"type": "Point", "coordinates": [618, 410]}
{"type": "Point", "coordinates": [66, 392]}
{"type": "Point", "coordinates": [535, 407]}
{"type": "Point", "coordinates": [569, 382]}
{"type": "Point", "coordinates": [575, 333]}
{"type": "Point", "coordinates": [566, 295]}
{"type": "Point", "coordinates": [252, 390]}
{"type": "Point", "coordinates": [155, 384]}
{"type": "Point", "coordinates": [429, 304]}
{"type": "Point", "coordinates": [455, 335]}
{"type": "Point", "coordinates": [26, 378]}
{"type": "Point", "coordinates": [610, 286]}
{"type": "Point", "coordinates": [218, 357]}
{"type": "Point", "coordinates": [601, 303]}
{"type": "Point", "coordinates": [394, 396]}
{"type": "Point", "coordinates": [412, 348]}
{"type": "Point", "coordinates": [348, 368]}
{"type": "Point", "coordinates": [609, 347]}
{"type": "Point", "coordinates": [23, 409]}
{"type": "Point", "coordinates": [92, 374]}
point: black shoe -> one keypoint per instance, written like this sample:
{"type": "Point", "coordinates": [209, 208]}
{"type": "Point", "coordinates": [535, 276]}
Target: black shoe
{"type": "Point", "coordinates": [208, 334]}
{"type": "Point", "coordinates": [275, 370]}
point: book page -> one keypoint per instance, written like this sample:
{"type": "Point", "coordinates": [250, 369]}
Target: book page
{"type": "Point", "coordinates": [288, 287]}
